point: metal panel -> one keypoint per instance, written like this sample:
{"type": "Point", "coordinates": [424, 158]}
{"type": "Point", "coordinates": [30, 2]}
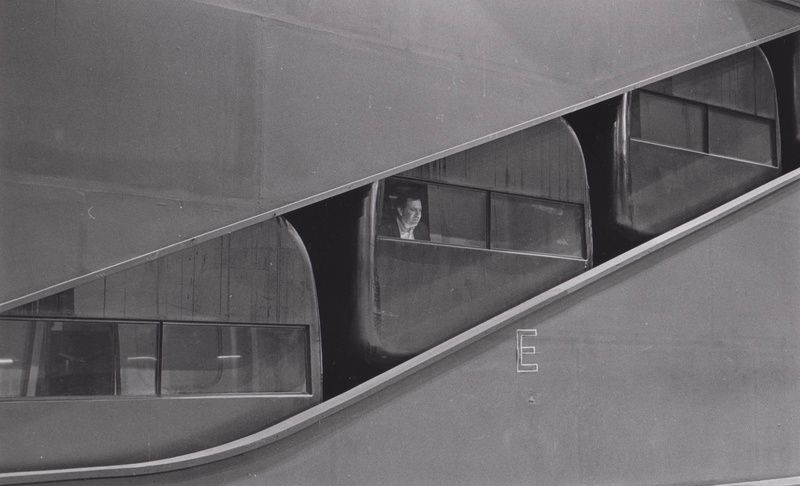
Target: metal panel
{"type": "Point", "coordinates": [130, 128]}
{"type": "Point", "coordinates": [72, 433]}
{"type": "Point", "coordinates": [679, 369]}
{"type": "Point", "coordinates": [427, 293]}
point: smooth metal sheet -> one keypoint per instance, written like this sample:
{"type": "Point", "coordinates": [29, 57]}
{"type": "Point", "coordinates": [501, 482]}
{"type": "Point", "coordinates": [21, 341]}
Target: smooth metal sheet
{"type": "Point", "coordinates": [133, 128]}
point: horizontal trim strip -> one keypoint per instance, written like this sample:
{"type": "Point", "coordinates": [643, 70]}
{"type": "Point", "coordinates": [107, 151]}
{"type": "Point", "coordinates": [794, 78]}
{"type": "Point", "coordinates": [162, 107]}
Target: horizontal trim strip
{"type": "Point", "coordinates": [154, 398]}
{"type": "Point", "coordinates": [484, 249]}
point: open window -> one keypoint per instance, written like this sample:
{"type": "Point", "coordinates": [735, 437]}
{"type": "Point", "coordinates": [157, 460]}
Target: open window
{"type": "Point", "coordinates": [479, 218]}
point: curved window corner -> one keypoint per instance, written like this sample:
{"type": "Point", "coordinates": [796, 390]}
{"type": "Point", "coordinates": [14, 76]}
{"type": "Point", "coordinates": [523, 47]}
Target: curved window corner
{"type": "Point", "coordinates": [55, 358]}
{"type": "Point", "coordinates": [726, 108]}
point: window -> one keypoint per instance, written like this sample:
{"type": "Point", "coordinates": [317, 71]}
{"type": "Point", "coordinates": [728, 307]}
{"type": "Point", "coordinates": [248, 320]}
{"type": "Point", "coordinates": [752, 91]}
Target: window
{"type": "Point", "coordinates": [53, 358]}
{"type": "Point", "coordinates": [481, 218]}
{"type": "Point", "coordinates": [16, 339]}
{"type": "Point", "coordinates": [138, 356]}
{"type": "Point", "coordinates": [233, 359]}
{"type": "Point", "coordinates": [740, 136]}
{"type": "Point", "coordinates": [690, 125]}
{"type": "Point", "coordinates": [668, 121]}
{"type": "Point", "coordinates": [457, 216]}
{"type": "Point", "coordinates": [76, 358]}
{"type": "Point", "coordinates": [528, 224]}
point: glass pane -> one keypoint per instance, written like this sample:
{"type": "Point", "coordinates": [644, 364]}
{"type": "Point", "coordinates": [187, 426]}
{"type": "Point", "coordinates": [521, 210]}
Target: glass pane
{"type": "Point", "coordinates": [457, 215]}
{"type": "Point", "coordinates": [74, 358]}
{"type": "Point", "coordinates": [528, 224]}
{"type": "Point", "coordinates": [16, 339]}
{"type": "Point", "coordinates": [741, 136]}
{"type": "Point", "coordinates": [80, 358]}
{"type": "Point", "coordinates": [77, 359]}
{"type": "Point", "coordinates": [138, 354]}
{"type": "Point", "coordinates": [233, 359]}
{"type": "Point", "coordinates": [668, 121]}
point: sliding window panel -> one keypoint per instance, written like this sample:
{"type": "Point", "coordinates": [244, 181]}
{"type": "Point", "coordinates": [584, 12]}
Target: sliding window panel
{"type": "Point", "coordinates": [208, 359]}
{"type": "Point", "coordinates": [16, 343]}
{"type": "Point", "coordinates": [457, 215]}
{"type": "Point", "coordinates": [92, 358]}
{"type": "Point", "coordinates": [528, 224]}
{"type": "Point", "coordinates": [78, 360]}
{"type": "Point", "coordinates": [741, 136]}
{"type": "Point", "coordinates": [138, 355]}
{"type": "Point", "coordinates": [668, 121]}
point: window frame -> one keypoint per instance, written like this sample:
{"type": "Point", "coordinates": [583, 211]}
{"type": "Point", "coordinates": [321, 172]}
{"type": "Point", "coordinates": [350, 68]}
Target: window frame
{"type": "Point", "coordinates": [44, 320]}
{"type": "Point", "coordinates": [379, 209]}
{"type": "Point", "coordinates": [706, 108]}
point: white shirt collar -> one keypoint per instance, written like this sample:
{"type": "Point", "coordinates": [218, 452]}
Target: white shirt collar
{"type": "Point", "coordinates": [406, 233]}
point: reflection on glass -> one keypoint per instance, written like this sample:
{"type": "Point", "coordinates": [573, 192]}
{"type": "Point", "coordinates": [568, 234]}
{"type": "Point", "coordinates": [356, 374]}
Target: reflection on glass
{"type": "Point", "coordinates": [16, 339]}
{"type": "Point", "coordinates": [457, 215]}
{"type": "Point", "coordinates": [528, 224]}
{"type": "Point", "coordinates": [461, 216]}
{"type": "Point", "coordinates": [691, 125]}
{"type": "Point", "coordinates": [77, 358]}
{"type": "Point", "coordinates": [89, 358]}
{"type": "Point", "coordinates": [233, 359]}
{"type": "Point", "coordinates": [138, 355]}
{"type": "Point", "coordinates": [741, 136]}
{"type": "Point", "coordinates": [669, 121]}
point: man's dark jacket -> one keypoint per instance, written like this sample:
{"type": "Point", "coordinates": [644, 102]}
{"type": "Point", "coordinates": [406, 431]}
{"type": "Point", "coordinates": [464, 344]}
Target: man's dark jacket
{"type": "Point", "coordinates": [390, 229]}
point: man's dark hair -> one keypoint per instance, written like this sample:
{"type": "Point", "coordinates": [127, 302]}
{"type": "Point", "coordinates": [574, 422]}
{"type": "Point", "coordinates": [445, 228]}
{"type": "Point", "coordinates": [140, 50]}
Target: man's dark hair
{"type": "Point", "coordinates": [404, 196]}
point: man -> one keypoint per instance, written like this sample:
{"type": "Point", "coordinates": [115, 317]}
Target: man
{"type": "Point", "coordinates": [407, 223]}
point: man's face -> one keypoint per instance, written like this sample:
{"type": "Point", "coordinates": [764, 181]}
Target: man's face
{"type": "Point", "coordinates": [411, 213]}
